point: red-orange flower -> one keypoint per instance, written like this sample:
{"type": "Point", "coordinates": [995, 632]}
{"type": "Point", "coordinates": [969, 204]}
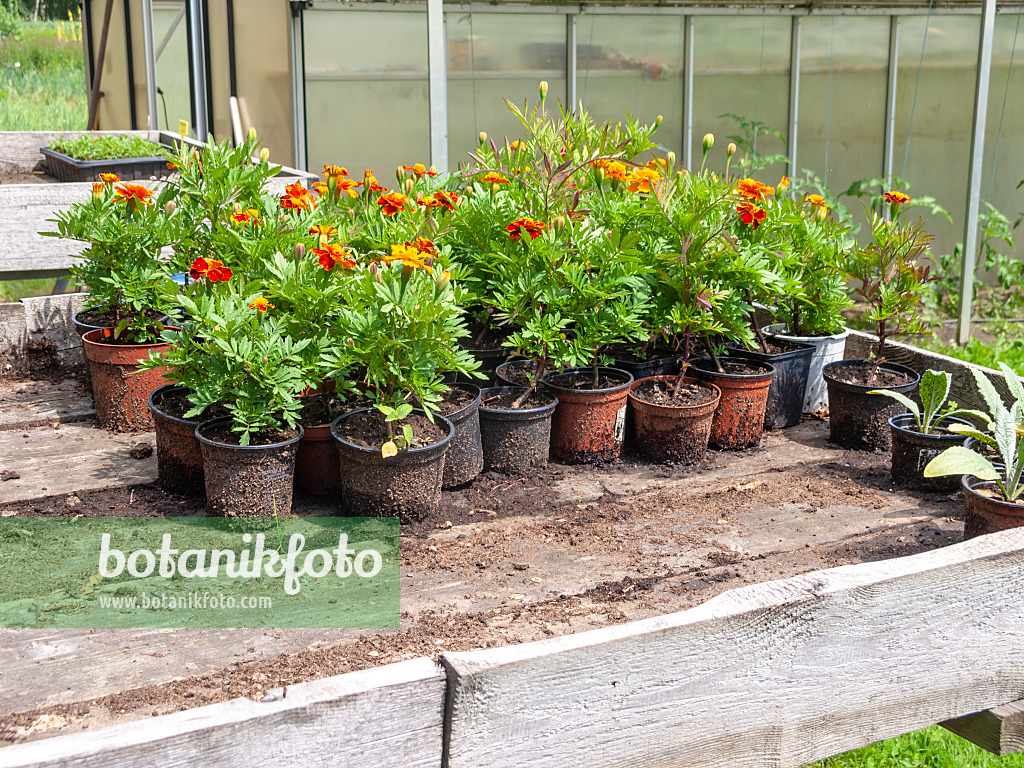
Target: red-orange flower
{"type": "Point", "coordinates": [530, 226]}
{"type": "Point", "coordinates": [133, 194]}
{"type": "Point", "coordinates": [392, 203]}
{"type": "Point", "coordinates": [643, 180]}
{"type": "Point", "coordinates": [323, 231]}
{"type": "Point", "coordinates": [334, 171]}
{"type": "Point", "coordinates": [516, 145]}
{"type": "Point", "coordinates": [493, 178]}
{"type": "Point", "coordinates": [333, 255]}
{"type": "Point", "coordinates": [261, 304]}
{"type": "Point", "coordinates": [242, 217]}
{"type": "Point", "coordinates": [419, 169]}
{"type": "Point", "coordinates": [410, 256]}
{"type": "Point", "coordinates": [815, 200]}
{"type": "Point", "coordinates": [423, 245]}
{"type": "Point", "coordinates": [320, 187]}
{"type": "Point", "coordinates": [616, 171]}
{"type": "Point", "coordinates": [750, 214]}
{"type": "Point", "coordinates": [429, 202]}
{"type": "Point", "coordinates": [297, 197]}
{"type": "Point", "coordinates": [98, 188]}
{"type": "Point", "coordinates": [753, 190]}
{"type": "Point", "coordinates": [109, 178]}
{"type": "Point", "coordinates": [448, 199]}
{"type": "Point", "coordinates": [370, 183]}
{"type": "Point", "coordinates": [897, 198]}
{"type": "Point", "coordinates": [212, 269]}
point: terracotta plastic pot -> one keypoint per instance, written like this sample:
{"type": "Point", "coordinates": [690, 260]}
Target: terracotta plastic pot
{"type": "Point", "coordinates": [514, 441]}
{"type": "Point", "coordinates": [985, 514]}
{"type": "Point", "coordinates": [179, 456]}
{"type": "Point", "coordinates": [785, 403]}
{"type": "Point", "coordinates": [316, 462]}
{"type": "Point", "coordinates": [673, 433]}
{"type": "Point", "coordinates": [861, 420]}
{"type": "Point", "coordinates": [247, 480]}
{"type": "Point", "coordinates": [588, 425]}
{"type": "Point", "coordinates": [827, 349]}
{"type": "Point", "coordinates": [465, 457]}
{"type": "Point", "coordinates": [911, 452]}
{"type": "Point", "coordinates": [407, 485]}
{"type": "Point", "coordinates": [739, 418]}
{"type": "Point", "coordinates": [119, 393]}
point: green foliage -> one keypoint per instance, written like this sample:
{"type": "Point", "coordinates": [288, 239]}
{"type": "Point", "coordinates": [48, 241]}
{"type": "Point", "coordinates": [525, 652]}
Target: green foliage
{"type": "Point", "coordinates": [10, 24]}
{"type": "Point", "coordinates": [933, 747]}
{"type": "Point", "coordinates": [89, 147]}
{"type": "Point", "coordinates": [42, 82]}
{"type": "Point", "coordinates": [1007, 346]}
{"type": "Point", "coordinates": [933, 391]}
{"type": "Point", "coordinates": [750, 132]}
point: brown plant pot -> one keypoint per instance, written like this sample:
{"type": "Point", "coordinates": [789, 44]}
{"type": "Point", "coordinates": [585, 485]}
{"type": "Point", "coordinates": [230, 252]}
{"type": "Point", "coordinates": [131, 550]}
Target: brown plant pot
{"type": "Point", "coordinates": [739, 417]}
{"type": "Point", "coordinates": [407, 485]}
{"type": "Point", "coordinates": [987, 515]}
{"type": "Point", "coordinates": [121, 394]}
{"type": "Point", "coordinates": [672, 433]}
{"type": "Point", "coordinates": [316, 462]}
{"type": "Point", "coordinates": [179, 456]}
{"type": "Point", "coordinates": [588, 425]}
{"type": "Point", "coordinates": [858, 419]}
{"type": "Point", "coordinates": [247, 480]}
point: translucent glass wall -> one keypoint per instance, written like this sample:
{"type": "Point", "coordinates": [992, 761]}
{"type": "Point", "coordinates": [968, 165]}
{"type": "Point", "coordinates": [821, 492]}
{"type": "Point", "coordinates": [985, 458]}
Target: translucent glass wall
{"type": "Point", "coordinates": [1007, 88]}
{"type": "Point", "coordinates": [174, 101]}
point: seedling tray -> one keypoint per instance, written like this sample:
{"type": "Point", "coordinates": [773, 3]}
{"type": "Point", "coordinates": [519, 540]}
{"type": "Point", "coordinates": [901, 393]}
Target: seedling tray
{"type": "Point", "coordinates": [67, 168]}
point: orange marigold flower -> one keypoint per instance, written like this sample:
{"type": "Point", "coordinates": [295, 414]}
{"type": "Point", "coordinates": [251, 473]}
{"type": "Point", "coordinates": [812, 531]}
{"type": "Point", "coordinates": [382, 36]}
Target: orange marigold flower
{"type": "Point", "coordinates": [297, 197]}
{"type": "Point", "coordinates": [616, 171]}
{"type": "Point", "coordinates": [419, 169]}
{"type": "Point", "coordinates": [753, 190]}
{"type": "Point", "coordinates": [392, 203]}
{"type": "Point", "coordinates": [333, 255]}
{"type": "Point", "coordinates": [133, 194]}
{"type": "Point", "coordinates": [530, 226]}
{"type": "Point", "coordinates": [323, 230]}
{"type": "Point", "coordinates": [335, 171]}
{"type": "Point", "coordinates": [493, 178]}
{"type": "Point", "coordinates": [751, 214]}
{"type": "Point", "coordinates": [601, 162]}
{"type": "Point", "coordinates": [897, 198]}
{"type": "Point", "coordinates": [320, 187]}
{"type": "Point", "coordinates": [815, 200]}
{"type": "Point", "coordinates": [370, 183]}
{"type": "Point", "coordinates": [212, 269]}
{"type": "Point", "coordinates": [109, 178]}
{"type": "Point", "coordinates": [516, 145]}
{"type": "Point", "coordinates": [349, 187]}
{"type": "Point", "coordinates": [784, 183]}
{"type": "Point", "coordinates": [242, 217]}
{"type": "Point", "coordinates": [261, 304]}
{"type": "Point", "coordinates": [448, 199]}
{"type": "Point", "coordinates": [409, 255]}
{"type": "Point", "coordinates": [643, 180]}
{"type": "Point", "coordinates": [429, 202]}
{"type": "Point", "coordinates": [98, 187]}
{"type": "Point", "coordinates": [423, 245]}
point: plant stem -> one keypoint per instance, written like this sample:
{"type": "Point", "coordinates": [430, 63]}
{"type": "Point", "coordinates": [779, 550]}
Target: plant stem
{"type": "Point", "coordinates": [711, 352]}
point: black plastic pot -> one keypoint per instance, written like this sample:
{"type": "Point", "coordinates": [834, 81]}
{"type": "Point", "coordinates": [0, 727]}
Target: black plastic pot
{"type": "Point", "coordinates": [67, 168]}
{"type": "Point", "coordinates": [515, 440]}
{"type": "Point", "coordinates": [505, 374]}
{"type": "Point", "coordinates": [465, 457]}
{"type": "Point", "coordinates": [985, 514]}
{"type": "Point", "coordinates": [489, 359]}
{"type": "Point", "coordinates": [785, 403]}
{"type": "Point", "coordinates": [989, 453]}
{"type": "Point", "coordinates": [662, 366]}
{"type": "Point", "coordinates": [179, 455]}
{"type": "Point", "coordinates": [911, 452]}
{"type": "Point", "coordinates": [247, 480]}
{"type": "Point", "coordinates": [407, 485]}
{"type": "Point", "coordinates": [860, 420]}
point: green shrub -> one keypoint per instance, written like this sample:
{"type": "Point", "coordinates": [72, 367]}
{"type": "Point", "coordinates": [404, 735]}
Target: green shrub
{"type": "Point", "coordinates": [10, 24]}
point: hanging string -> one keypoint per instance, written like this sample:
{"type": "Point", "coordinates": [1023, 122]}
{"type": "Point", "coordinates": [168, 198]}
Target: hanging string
{"type": "Point", "coordinates": [590, 52]}
{"type": "Point", "coordinates": [917, 85]}
{"type": "Point", "coordinates": [760, 71]}
{"type": "Point", "coordinates": [675, 87]}
{"type": "Point", "coordinates": [472, 67]}
{"type": "Point", "coordinates": [828, 109]}
{"type": "Point", "coordinates": [1002, 113]}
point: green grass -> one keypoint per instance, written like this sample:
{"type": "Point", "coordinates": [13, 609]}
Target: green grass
{"type": "Point", "coordinates": [1007, 347]}
{"type": "Point", "coordinates": [42, 80]}
{"type": "Point", "coordinates": [14, 290]}
{"type": "Point", "coordinates": [933, 747]}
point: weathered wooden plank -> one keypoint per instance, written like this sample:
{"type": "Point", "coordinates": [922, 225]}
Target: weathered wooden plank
{"type": "Point", "coordinates": [777, 674]}
{"type": "Point", "coordinates": [387, 716]}
{"type": "Point", "coordinates": [40, 403]}
{"type": "Point", "coordinates": [999, 730]}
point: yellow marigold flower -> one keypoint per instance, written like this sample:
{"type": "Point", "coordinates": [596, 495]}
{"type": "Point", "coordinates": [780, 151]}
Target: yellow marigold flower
{"type": "Point", "coordinates": [261, 305]}
{"type": "Point", "coordinates": [643, 180]}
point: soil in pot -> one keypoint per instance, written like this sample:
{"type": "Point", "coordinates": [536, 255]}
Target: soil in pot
{"type": "Point", "coordinates": [860, 420]}
{"type": "Point", "coordinates": [179, 454]}
{"type": "Point", "coordinates": [247, 481]}
{"type": "Point", "coordinates": [792, 363]}
{"type": "Point", "coordinates": [316, 460]}
{"type": "Point", "coordinates": [516, 373]}
{"type": "Point", "coordinates": [987, 511]}
{"type": "Point", "coordinates": [589, 423]}
{"type": "Point", "coordinates": [407, 485]}
{"type": "Point", "coordinates": [673, 426]}
{"type": "Point", "coordinates": [465, 457]}
{"type": "Point", "coordinates": [515, 431]}
{"type": "Point", "coordinates": [911, 451]}
{"type": "Point", "coordinates": [120, 391]}
{"type": "Point", "coordinates": [739, 417]}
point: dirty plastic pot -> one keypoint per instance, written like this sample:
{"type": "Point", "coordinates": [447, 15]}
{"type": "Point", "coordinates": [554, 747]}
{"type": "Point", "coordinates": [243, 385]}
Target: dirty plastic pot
{"type": "Point", "coordinates": [247, 480]}
{"type": "Point", "coordinates": [316, 462]}
{"type": "Point", "coordinates": [911, 452]}
{"type": "Point", "coordinates": [739, 418]}
{"type": "Point", "coordinates": [827, 349]}
{"type": "Point", "coordinates": [661, 366]}
{"type": "Point", "coordinates": [179, 456]}
{"type": "Point", "coordinates": [589, 425]}
{"type": "Point", "coordinates": [121, 394]}
{"type": "Point", "coordinates": [857, 419]}
{"type": "Point", "coordinates": [973, 444]}
{"type": "Point", "coordinates": [672, 433]}
{"type": "Point", "coordinates": [514, 441]}
{"type": "Point", "coordinates": [504, 374]}
{"type": "Point", "coordinates": [785, 403]}
{"type": "Point", "coordinates": [407, 485]}
{"type": "Point", "coordinates": [465, 457]}
{"type": "Point", "coordinates": [489, 359]}
{"type": "Point", "coordinates": [985, 514]}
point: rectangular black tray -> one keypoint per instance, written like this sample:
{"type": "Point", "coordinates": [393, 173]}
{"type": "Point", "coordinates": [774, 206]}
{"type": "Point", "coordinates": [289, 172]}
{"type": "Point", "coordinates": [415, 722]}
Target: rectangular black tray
{"type": "Point", "coordinates": [68, 168]}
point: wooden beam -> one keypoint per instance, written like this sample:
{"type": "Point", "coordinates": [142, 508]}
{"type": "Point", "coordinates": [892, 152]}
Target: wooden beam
{"type": "Point", "coordinates": [999, 730]}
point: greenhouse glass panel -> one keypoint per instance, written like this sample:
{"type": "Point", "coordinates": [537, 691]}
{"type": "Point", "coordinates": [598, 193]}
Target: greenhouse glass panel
{"type": "Point", "coordinates": [366, 99]}
{"type": "Point", "coordinates": [937, 162]}
{"type": "Point", "coordinates": [494, 56]}
{"type": "Point", "coordinates": [172, 64]}
{"type": "Point", "coordinates": [741, 66]}
{"type": "Point", "coordinates": [633, 64]}
{"type": "Point", "coordinates": [844, 63]}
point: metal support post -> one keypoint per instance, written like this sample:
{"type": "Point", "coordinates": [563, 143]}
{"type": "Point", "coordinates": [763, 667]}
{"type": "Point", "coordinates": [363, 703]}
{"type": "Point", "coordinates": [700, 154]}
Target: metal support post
{"type": "Point", "coordinates": [688, 92]}
{"type": "Point", "coordinates": [794, 92]}
{"type": "Point", "coordinates": [890, 98]}
{"type": "Point", "coordinates": [152, 121]}
{"type": "Point", "coordinates": [570, 62]}
{"type": "Point", "coordinates": [437, 79]}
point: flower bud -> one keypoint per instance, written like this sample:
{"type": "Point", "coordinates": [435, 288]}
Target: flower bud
{"type": "Point", "coordinates": [169, 208]}
{"type": "Point", "coordinates": [469, 189]}
{"type": "Point", "coordinates": [378, 278]}
{"type": "Point", "coordinates": [670, 160]}
{"type": "Point", "coordinates": [236, 208]}
{"type": "Point", "coordinates": [433, 169]}
{"type": "Point", "coordinates": [543, 89]}
{"type": "Point", "coordinates": [444, 279]}
{"type": "Point", "coordinates": [264, 154]}
{"type": "Point", "coordinates": [351, 213]}
{"type": "Point", "coordinates": [783, 184]}
{"type": "Point", "coordinates": [429, 261]}
{"type": "Point", "coordinates": [730, 150]}
{"type": "Point", "coordinates": [400, 174]}
{"type": "Point", "coordinates": [372, 268]}
{"type": "Point", "coordinates": [350, 342]}
{"type": "Point", "coordinates": [708, 141]}
{"type": "Point", "coordinates": [822, 212]}
{"type": "Point", "coordinates": [252, 133]}
{"type": "Point", "coordinates": [658, 121]}
{"type": "Point", "coordinates": [482, 137]}
{"type": "Point", "coordinates": [97, 191]}
{"type": "Point", "coordinates": [409, 184]}
{"type": "Point", "coordinates": [300, 250]}
{"type": "Point", "coordinates": [558, 223]}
